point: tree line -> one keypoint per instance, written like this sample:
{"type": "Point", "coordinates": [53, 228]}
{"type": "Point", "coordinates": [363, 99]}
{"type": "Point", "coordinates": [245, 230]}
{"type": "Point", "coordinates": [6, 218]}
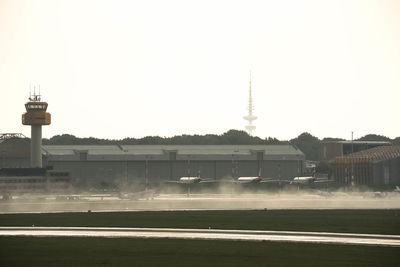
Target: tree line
{"type": "Point", "coordinates": [231, 137]}
{"type": "Point", "coordinates": [307, 143]}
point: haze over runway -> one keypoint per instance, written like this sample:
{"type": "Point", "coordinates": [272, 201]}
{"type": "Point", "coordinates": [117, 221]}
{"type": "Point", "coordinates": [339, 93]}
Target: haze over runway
{"type": "Point", "coordinates": [94, 203]}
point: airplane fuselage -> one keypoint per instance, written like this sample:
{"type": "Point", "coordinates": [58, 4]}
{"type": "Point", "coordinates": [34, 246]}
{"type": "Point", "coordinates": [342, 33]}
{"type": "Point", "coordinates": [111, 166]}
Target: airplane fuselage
{"type": "Point", "coordinates": [190, 180]}
{"type": "Point", "coordinates": [303, 180]}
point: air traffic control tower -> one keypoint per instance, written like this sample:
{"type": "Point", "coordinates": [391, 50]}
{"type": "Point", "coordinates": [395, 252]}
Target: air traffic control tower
{"type": "Point", "coordinates": [36, 116]}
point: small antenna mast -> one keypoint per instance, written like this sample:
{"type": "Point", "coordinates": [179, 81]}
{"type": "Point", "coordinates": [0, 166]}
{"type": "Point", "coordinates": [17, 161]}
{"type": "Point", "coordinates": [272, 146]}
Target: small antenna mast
{"type": "Point", "coordinates": [34, 97]}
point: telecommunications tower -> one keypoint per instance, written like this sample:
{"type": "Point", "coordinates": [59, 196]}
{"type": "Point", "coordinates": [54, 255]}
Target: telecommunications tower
{"type": "Point", "coordinates": [250, 117]}
{"type": "Point", "coordinates": [36, 116]}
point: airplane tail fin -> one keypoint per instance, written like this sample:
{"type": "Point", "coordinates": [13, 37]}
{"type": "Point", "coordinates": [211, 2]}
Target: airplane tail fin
{"type": "Point", "coordinates": [259, 173]}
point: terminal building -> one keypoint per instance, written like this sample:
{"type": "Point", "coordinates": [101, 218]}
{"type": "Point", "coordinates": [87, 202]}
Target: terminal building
{"type": "Point", "coordinates": [115, 165]}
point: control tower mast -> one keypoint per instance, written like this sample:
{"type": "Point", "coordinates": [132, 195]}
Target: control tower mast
{"type": "Point", "coordinates": [36, 116]}
{"type": "Point", "coordinates": [250, 117]}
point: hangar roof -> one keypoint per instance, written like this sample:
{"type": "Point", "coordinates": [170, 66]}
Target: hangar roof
{"type": "Point", "coordinates": [347, 142]}
{"type": "Point", "coordinates": [376, 154]}
{"type": "Point", "coordinates": [213, 152]}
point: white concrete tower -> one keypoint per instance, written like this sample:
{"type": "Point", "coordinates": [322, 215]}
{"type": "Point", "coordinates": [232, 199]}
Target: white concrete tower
{"type": "Point", "coordinates": [36, 116]}
{"type": "Point", "coordinates": [250, 117]}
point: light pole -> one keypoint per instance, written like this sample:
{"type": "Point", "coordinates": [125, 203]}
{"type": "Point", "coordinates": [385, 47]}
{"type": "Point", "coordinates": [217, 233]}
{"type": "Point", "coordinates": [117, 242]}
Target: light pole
{"type": "Point", "coordinates": [188, 167]}
{"type": "Point", "coordinates": [146, 174]}
{"type": "Point", "coordinates": [126, 170]}
{"type": "Point", "coordinates": [233, 168]}
{"type": "Point", "coordinates": [352, 159]}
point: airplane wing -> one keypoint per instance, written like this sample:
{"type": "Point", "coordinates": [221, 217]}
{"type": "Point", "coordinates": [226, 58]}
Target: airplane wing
{"type": "Point", "coordinates": [274, 181]}
{"type": "Point", "coordinates": [172, 182]}
{"type": "Point", "coordinates": [209, 180]}
{"type": "Point", "coordinates": [324, 181]}
{"type": "Point", "coordinates": [226, 182]}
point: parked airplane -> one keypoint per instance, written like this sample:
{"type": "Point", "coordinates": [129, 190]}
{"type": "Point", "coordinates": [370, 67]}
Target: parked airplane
{"type": "Point", "coordinates": [189, 180]}
{"type": "Point", "coordinates": [303, 180]}
{"type": "Point", "coordinates": [309, 180]}
{"type": "Point", "coordinates": [192, 180]}
{"type": "Point", "coordinates": [255, 179]}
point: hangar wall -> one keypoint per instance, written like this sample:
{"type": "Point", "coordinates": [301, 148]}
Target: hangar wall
{"type": "Point", "coordinates": [87, 174]}
{"type": "Point", "coordinates": [113, 166]}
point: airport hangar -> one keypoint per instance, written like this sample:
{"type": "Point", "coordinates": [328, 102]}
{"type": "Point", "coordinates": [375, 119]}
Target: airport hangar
{"type": "Point", "coordinates": [379, 165]}
{"type": "Point", "coordinates": [113, 165]}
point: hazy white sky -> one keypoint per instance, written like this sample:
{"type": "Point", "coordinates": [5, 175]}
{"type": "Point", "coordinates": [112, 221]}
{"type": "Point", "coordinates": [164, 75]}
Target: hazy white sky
{"type": "Point", "coordinates": [115, 69]}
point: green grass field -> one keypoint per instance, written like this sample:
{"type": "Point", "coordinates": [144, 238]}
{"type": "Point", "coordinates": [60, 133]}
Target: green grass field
{"type": "Point", "coordinates": [76, 251]}
{"type": "Point", "coordinates": [15, 251]}
{"type": "Point", "coordinates": [345, 221]}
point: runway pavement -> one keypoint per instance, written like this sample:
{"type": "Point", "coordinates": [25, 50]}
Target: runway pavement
{"type": "Point", "coordinates": [206, 234]}
{"type": "Point", "coordinates": [202, 202]}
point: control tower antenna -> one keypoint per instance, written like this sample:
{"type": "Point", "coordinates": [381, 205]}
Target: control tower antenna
{"type": "Point", "coordinates": [36, 116]}
{"type": "Point", "coordinates": [250, 117]}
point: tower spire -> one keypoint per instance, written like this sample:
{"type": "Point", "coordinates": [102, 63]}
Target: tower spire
{"type": "Point", "coordinates": [250, 117]}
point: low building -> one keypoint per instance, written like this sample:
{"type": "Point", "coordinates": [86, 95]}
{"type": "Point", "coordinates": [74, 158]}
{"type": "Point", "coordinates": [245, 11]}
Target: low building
{"type": "Point", "coordinates": [375, 166]}
{"type": "Point", "coordinates": [331, 149]}
{"type": "Point", "coordinates": [32, 180]}
{"type": "Point", "coordinates": [15, 153]}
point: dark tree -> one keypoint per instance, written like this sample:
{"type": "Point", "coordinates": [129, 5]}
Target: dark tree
{"type": "Point", "coordinates": [396, 141]}
{"type": "Point", "coordinates": [332, 139]}
{"type": "Point", "coordinates": [308, 144]}
{"type": "Point", "coordinates": [236, 137]}
{"type": "Point", "coordinates": [374, 137]}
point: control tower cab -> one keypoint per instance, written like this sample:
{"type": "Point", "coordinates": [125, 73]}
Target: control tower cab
{"type": "Point", "coordinates": [36, 116]}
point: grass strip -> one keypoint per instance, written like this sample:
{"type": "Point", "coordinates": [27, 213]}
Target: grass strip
{"type": "Point", "coordinates": [76, 251]}
{"type": "Point", "coordinates": [342, 221]}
